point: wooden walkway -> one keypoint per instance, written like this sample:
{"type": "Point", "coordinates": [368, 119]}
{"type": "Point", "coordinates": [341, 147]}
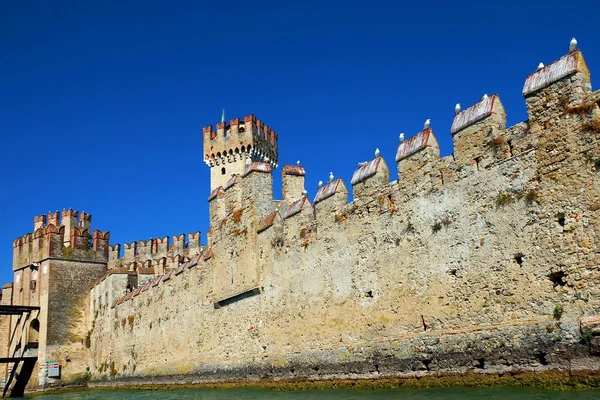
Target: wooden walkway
{"type": "Point", "coordinates": [16, 359]}
{"type": "Point", "coordinates": [17, 310]}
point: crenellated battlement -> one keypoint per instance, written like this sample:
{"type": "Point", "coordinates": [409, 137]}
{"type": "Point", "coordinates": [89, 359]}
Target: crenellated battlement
{"type": "Point", "coordinates": [232, 146]}
{"type": "Point", "coordinates": [482, 142]}
{"type": "Point", "coordinates": [69, 237]}
{"type": "Point", "coordinates": [156, 255]}
{"type": "Point", "coordinates": [149, 284]}
{"type": "Point", "coordinates": [69, 218]}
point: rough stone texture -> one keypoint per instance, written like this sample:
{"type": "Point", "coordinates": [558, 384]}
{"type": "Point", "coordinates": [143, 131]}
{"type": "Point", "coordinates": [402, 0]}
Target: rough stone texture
{"type": "Point", "coordinates": [110, 288]}
{"type": "Point", "coordinates": [590, 325]}
{"type": "Point", "coordinates": [472, 143]}
{"type": "Point", "coordinates": [481, 262]}
{"type": "Point", "coordinates": [292, 178]}
{"type": "Point", "coordinates": [465, 264]}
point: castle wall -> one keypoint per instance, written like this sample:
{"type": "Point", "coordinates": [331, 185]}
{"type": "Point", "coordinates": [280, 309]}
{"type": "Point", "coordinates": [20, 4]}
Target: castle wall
{"type": "Point", "coordinates": [110, 288]}
{"type": "Point", "coordinates": [465, 273]}
{"type": "Point", "coordinates": [236, 222]}
{"type": "Point", "coordinates": [154, 255]}
{"type": "Point", "coordinates": [481, 261]}
{"type": "Point", "coordinates": [333, 289]}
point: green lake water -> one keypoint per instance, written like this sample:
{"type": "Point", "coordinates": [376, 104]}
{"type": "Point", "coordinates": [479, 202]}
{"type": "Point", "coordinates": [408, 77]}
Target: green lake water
{"type": "Point", "coordinates": [256, 394]}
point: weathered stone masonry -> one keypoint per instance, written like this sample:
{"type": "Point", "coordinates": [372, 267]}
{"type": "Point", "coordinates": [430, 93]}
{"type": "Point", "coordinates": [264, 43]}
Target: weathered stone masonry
{"type": "Point", "coordinates": [485, 261]}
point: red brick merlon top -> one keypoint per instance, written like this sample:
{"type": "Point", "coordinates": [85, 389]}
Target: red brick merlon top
{"type": "Point", "coordinates": [193, 262]}
{"type": "Point", "coordinates": [564, 66]}
{"type": "Point", "coordinates": [295, 207]}
{"type": "Point", "coordinates": [206, 255]}
{"type": "Point", "coordinates": [257, 166]}
{"type": "Point", "coordinates": [232, 181]}
{"type": "Point", "coordinates": [137, 291]}
{"type": "Point", "coordinates": [416, 143]}
{"type": "Point", "coordinates": [293, 170]}
{"type": "Point", "coordinates": [266, 222]}
{"type": "Point", "coordinates": [159, 279]}
{"type": "Point", "coordinates": [329, 190]}
{"type": "Point", "coordinates": [167, 276]}
{"type": "Point", "coordinates": [218, 192]}
{"type": "Point", "coordinates": [484, 108]}
{"type": "Point", "coordinates": [366, 171]}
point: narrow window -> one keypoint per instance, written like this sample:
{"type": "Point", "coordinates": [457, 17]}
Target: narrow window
{"type": "Point", "coordinates": [223, 171]}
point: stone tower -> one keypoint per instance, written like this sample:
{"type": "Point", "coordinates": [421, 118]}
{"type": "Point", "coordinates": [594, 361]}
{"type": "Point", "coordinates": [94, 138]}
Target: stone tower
{"type": "Point", "coordinates": [54, 268]}
{"type": "Point", "coordinates": [233, 145]}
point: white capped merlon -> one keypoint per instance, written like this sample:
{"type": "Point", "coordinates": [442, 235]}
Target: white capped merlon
{"type": "Point", "coordinates": [540, 66]}
{"type": "Point", "coordinates": [427, 123]}
{"type": "Point", "coordinates": [330, 177]}
{"type": "Point", "coordinates": [320, 184]}
{"type": "Point", "coordinates": [377, 152]}
{"type": "Point", "coordinates": [572, 45]}
{"type": "Point", "coordinates": [402, 137]}
{"type": "Point", "coordinates": [485, 96]}
{"type": "Point", "coordinates": [456, 108]}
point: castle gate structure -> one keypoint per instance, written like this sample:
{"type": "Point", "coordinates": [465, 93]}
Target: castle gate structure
{"type": "Point", "coordinates": [485, 261]}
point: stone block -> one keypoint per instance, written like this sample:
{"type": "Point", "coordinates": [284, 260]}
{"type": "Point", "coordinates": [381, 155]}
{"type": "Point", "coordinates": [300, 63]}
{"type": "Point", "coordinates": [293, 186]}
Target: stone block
{"type": "Point", "coordinates": [590, 324]}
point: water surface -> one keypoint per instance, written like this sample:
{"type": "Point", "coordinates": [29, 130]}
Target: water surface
{"type": "Point", "coordinates": [393, 394]}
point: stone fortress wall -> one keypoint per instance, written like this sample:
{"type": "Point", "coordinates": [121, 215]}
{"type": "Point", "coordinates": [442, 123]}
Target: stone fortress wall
{"type": "Point", "coordinates": [141, 261]}
{"type": "Point", "coordinates": [486, 260]}
{"type": "Point", "coordinates": [54, 268]}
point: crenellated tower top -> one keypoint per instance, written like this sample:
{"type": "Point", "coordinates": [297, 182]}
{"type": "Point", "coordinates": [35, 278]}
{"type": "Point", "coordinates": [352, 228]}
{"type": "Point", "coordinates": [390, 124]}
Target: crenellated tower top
{"type": "Point", "coordinates": [228, 149]}
{"type": "Point", "coordinates": [70, 237]}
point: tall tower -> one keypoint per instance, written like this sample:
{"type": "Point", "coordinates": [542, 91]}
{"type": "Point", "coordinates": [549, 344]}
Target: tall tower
{"type": "Point", "coordinates": [54, 268]}
{"type": "Point", "coordinates": [232, 146]}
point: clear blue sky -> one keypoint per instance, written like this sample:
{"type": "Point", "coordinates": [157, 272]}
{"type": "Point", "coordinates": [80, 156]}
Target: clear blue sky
{"type": "Point", "coordinates": [102, 103]}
